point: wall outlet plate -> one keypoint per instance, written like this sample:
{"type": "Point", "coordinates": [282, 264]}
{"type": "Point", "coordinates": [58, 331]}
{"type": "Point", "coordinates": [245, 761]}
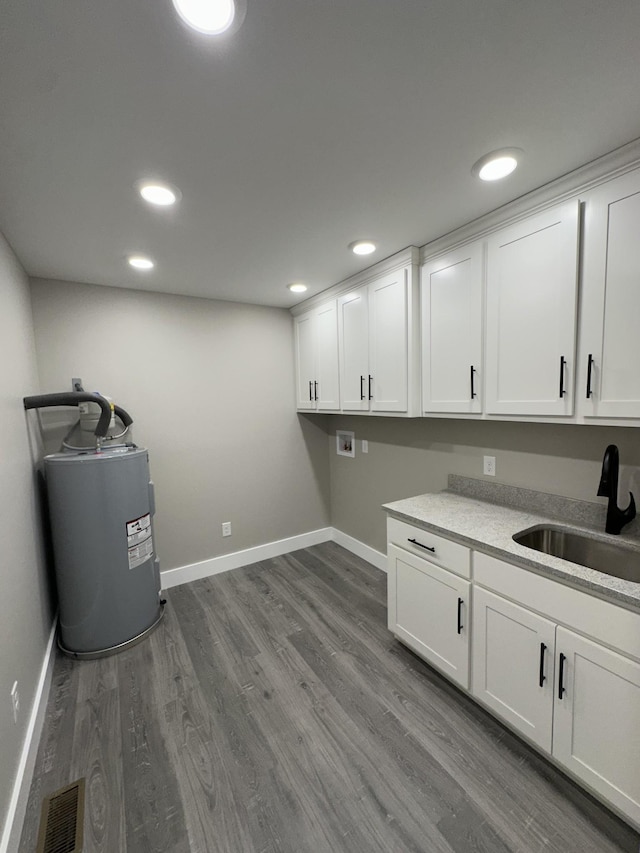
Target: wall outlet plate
{"type": "Point", "coordinates": [226, 528]}
{"type": "Point", "coordinates": [365, 445]}
{"type": "Point", "coordinates": [490, 466]}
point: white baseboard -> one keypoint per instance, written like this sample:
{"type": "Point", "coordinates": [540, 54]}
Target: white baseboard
{"type": "Point", "coordinates": [226, 562]}
{"type": "Point", "coordinates": [207, 568]}
{"type": "Point", "coordinates": [376, 558]}
{"type": "Point", "coordinates": [20, 795]}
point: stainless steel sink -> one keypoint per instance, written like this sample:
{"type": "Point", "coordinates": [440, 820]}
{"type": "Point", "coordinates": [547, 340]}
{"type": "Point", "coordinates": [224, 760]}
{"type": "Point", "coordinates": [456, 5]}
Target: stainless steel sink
{"type": "Point", "coordinates": [603, 556]}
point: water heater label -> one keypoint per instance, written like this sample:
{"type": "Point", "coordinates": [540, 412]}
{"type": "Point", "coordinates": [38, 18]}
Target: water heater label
{"type": "Point", "coordinates": [139, 540]}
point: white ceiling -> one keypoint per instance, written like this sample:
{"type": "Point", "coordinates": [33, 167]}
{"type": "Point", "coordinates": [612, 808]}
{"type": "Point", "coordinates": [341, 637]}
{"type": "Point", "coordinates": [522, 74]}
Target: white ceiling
{"type": "Point", "coordinates": [318, 122]}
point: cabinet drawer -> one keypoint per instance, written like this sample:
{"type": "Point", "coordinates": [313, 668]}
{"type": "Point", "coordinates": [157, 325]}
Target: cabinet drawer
{"type": "Point", "coordinates": [436, 549]}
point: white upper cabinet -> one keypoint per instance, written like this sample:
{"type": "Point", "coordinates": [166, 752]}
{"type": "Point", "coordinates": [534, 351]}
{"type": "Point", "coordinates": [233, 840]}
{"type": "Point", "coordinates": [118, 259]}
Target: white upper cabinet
{"type": "Point", "coordinates": [531, 314]}
{"type": "Point", "coordinates": [316, 349]}
{"type": "Point", "coordinates": [378, 345]}
{"type": "Point", "coordinates": [328, 389]}
{"type": "Point", "coordinates": [451, 298]}
{"type": "Point", "coordinates": [305, 350]}
{"type": "Point", "coordinates": [389, 343]}
{"type": "Point", "coordinates": [609, 378]}
{"type": "Point", "coordinates": [353, 321]}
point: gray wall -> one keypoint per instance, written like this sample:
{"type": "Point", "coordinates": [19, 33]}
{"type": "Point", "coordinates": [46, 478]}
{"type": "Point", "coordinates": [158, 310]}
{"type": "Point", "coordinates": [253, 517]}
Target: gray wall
{"type": "Point", "coordinates": [210, 386]}
{"type": "Point", "coordinates": [25, 613]}
{"type": "Point", "coordinates": [411, 457]}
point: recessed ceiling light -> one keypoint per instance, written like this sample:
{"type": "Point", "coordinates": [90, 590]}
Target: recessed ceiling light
{"type": "Point", "coordinates": [497, 164]}
{"type": "Point", "coordinates": [362, 247]}
{"type": "Point", "coordinates": [297, 287]}
{"type": "Point", "coordinates": [211, 17]}
{"type": "Point", "coordinates": [161, 195]}
{"type": "Point", "coordinates": [140, 262]}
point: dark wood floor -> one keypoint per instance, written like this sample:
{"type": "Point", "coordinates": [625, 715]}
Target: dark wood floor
{"type": "Point", "coordinates": [272, 711]}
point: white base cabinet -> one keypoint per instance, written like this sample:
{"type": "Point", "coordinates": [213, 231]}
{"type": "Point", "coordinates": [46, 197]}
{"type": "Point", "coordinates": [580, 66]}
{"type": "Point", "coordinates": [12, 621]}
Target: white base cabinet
{"type": "Point", "coordinates": [428, 610]}
{"type": "Point", "coordinates": [513, 664]}
{"type": "Point", "coordinates": [556, 664]}
{"type": "Point", "coordinates": [596, 721]}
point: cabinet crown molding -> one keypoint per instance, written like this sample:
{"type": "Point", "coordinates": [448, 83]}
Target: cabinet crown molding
{"type": "Point", "coordinates": [407, 257]}
{"type": "Point", "coordinates": [572, 185]}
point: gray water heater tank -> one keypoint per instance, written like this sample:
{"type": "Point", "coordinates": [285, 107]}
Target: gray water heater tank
{"type": "Point", "coordinates": [101, 506]}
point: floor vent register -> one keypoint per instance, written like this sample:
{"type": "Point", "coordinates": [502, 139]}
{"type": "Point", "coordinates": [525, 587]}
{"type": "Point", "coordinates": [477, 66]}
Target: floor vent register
{"type": "Point", "coordinates": [62, 820]}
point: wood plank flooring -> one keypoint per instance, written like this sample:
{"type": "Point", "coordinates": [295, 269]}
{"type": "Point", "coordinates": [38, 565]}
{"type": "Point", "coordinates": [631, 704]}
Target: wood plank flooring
{"type": "Point", "coordinates": [272, 712]}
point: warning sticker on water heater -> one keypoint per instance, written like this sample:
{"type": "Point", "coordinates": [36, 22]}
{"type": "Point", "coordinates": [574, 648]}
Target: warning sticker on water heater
{"type": "Point", "coordinates": [139, 540]}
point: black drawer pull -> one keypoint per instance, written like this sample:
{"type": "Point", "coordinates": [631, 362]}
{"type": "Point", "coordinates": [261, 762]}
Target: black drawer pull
{"type": "Point", "coordinates": [473, 391]}
{"type": "Point", "coordinates": [561, 688]}
{"type": "Point", "coordinates": [460, 603]}
{"type": "Point", "coordinates": [310, 391]}
{"type": "Point", "coordinates": [589, 374]}
{"type": "Point", "coordinates": [420, 545]}
{"type": "Point", "coordinates": [542, 677]}
{"type": "Point", "coordinates": [315, 390]}
{"type": "Point", "coordinates": [362, 387]}
{"type": "Point", "coordinates": [563, 363]}
{"type": "Point", "coordinates": [370, 381]}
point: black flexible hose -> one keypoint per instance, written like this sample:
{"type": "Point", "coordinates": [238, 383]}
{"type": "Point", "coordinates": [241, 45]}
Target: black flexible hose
{"type": "Point", "coordinates": [125, 417]}
{"type": "Point", "coordinates": [72, 398]}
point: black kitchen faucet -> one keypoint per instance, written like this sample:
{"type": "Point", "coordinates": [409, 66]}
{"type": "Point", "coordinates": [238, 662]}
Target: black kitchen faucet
{"type": "Point", "coordinates": [608, 488]}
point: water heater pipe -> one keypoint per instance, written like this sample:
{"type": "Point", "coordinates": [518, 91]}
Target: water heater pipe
{"type": "Point", "coordinates": [72, 398]}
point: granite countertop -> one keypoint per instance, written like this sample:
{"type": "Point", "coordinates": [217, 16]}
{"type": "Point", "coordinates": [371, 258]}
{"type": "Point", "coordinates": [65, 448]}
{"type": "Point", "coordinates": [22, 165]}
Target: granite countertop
{"type": "Point", "coordinates": [486, 524]}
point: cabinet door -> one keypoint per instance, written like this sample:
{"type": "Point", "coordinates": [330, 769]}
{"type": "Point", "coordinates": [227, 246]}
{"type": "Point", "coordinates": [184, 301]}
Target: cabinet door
{"type": "Point", "coordinates": [452, 331]}
{"type": "Point", "coordinates": [610, 351]}
{"type": "Point", "coordinates": [354, 350]}
{"type": "Point", "coordinates": [305, 353]}
{"type": "Point", "coordinates": [327, 373]}
{"type": "Point", "coordinates": [429, 611]}
{"type": "Point", "coordinates": [388, 342]}
{"type": "Point", "coordinates": [531, 314]}
{"type": "Point", "coordinates": [513, 661]}
{"type": "Point", "coordinates": [596, 724]}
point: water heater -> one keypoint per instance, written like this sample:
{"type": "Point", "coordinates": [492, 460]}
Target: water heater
{"type": "Point", "coordinates": [101, 507]}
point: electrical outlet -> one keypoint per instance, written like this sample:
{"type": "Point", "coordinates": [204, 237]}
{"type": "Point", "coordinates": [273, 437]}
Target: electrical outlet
{"type": "Point", "coordinates": [365, 445]}
{"type": "Point", "coordinates": [76, 384]}
{"type": "Point", "coordinates": [15, 701]}
{"type": "Point", "coordinates": [226, 528]}
{"type": "Point", "coordinates": [490, 466]}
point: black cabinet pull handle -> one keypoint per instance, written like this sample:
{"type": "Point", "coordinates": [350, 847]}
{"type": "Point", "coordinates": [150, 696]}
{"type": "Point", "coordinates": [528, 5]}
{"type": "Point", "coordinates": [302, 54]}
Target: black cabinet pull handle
{"type": "Point", "coordinates": [589, 373]}
{"type": "Point", "coordinates": [473, 392]}
{"type": "Point", "coordinates": [420, 545]}
{"type": "Point", "coordinates": [370, 381]}
{"type": "Point", "coordinates": [460, 603]}
{"type": "Point", "coordinates": [315, 390]}
{"type": "Point", "coordinates": [362, 387]}
{"type": "Point", "coordinates": [563, 362]}
{"type": "Point", "coordinates": [561, 687]}
{"type": "Point", "coordinates": [542, 677]}
{"type": "Point", "coordinates": [310, 392]}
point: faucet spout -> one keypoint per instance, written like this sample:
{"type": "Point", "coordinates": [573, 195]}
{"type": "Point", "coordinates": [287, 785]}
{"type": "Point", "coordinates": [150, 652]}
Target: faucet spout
{"type": "Point", "coordinates": [608, 488]}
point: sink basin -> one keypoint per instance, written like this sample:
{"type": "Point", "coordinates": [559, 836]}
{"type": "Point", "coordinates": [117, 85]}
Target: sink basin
{"type": "Point", "coordinates": [603, 556]}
